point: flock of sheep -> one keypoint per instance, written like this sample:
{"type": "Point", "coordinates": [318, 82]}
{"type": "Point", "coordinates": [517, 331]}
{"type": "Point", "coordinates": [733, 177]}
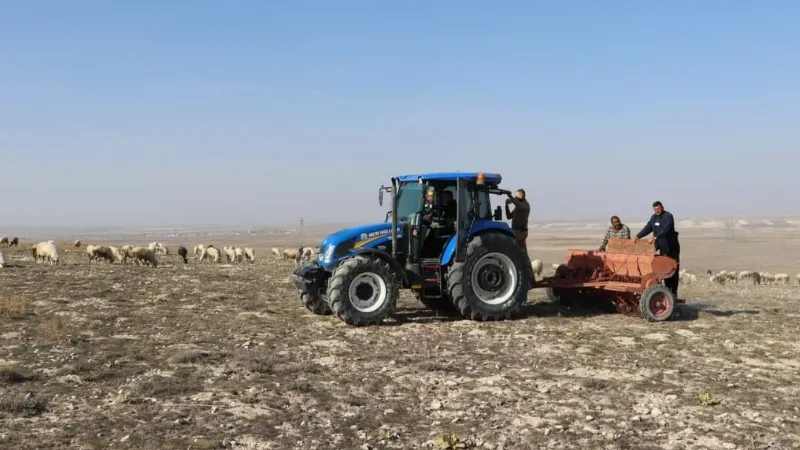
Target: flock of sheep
{"type": "Point", "coordinates": [296, 255]}
{"type": "Point", "coordinates": [750, 277]}
{"type": "Point", "coordinates": [47, 252]}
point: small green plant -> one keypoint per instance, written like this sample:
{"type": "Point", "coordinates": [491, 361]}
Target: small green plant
{"type": "Point", "coordinates": [705, 399]}
{"type": "Point", "coordinates": [448, 442]}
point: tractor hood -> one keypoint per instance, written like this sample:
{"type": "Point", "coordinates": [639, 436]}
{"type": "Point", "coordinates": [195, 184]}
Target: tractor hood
{"type": "Point", "coordinates": [337, 245]}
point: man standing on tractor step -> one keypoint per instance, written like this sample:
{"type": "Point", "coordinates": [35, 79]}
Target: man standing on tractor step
{"type": "Point", "coordinates": [519, 217]}
{"type": "Point", "coordinates": [665, 238]}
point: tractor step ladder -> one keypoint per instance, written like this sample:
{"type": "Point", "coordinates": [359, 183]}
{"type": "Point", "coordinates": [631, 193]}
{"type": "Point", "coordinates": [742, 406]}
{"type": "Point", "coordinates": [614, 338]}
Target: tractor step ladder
{"type": "Point", "coordinates": [431, 278]}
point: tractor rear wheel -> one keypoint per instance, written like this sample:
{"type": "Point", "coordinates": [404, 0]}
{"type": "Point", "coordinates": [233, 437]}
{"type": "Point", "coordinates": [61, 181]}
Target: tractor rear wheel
{"type": "Point", "coordinates": [657, 303]}
{"type": "Point", "coordinates": [492, 283]}
{"type": "Point", "coordinates": [363, 291]}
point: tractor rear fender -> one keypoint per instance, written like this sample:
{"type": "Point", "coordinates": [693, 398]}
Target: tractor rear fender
{"type": "Point", "coordinates": [396, 267]}
{"type": "Point", "coordinates": [478, 229]}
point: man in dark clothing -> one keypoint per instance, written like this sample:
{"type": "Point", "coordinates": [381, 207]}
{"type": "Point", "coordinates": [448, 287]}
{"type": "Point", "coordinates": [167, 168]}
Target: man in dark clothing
{"type": "Point", "coordinates": [665, 239]}
{"type": "Point", "coordinates": [519, 217]}
{"type": "Point", "coordinates": [445, 214]}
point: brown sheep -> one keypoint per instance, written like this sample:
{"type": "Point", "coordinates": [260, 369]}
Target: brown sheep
{"type": "Point", "coordinates": [182, 252]}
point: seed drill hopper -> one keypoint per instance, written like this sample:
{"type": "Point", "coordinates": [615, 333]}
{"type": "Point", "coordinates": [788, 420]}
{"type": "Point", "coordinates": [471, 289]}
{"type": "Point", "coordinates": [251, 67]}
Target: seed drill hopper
{"type": "Point", "coordinates": [627, 275]}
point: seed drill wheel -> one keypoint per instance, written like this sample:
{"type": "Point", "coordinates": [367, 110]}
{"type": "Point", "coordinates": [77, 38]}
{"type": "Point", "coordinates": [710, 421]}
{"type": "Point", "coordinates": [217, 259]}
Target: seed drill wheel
{"type": "Point", "coordinates": [363, 291]}
{"type": "Point", "coordinates": [657, 303]}
{"type": "Point", "coordinates": [563, 296]}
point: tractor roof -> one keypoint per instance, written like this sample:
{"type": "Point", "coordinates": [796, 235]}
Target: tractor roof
{"type": "Point", "coordinates": [491, 178]}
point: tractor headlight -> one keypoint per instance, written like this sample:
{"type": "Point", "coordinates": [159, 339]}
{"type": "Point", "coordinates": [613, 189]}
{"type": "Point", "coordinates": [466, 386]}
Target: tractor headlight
{"type": "Point", "coordinates": [328, 255]}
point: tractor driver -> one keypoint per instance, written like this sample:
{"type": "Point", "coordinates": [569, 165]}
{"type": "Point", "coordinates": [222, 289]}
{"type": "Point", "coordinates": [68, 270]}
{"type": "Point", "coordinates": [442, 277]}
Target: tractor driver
{"type": "Point", "coordinates": [445, 214]}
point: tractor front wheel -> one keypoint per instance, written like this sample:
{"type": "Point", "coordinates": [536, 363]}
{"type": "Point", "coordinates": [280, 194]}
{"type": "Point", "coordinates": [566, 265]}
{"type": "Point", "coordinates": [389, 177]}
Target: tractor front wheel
{"type": "Point", "coordinates": [363, 291]}
{"type": "Point", "coordinates": [315, 302]}
{"type": "Point", "coordinates": [310, 283]}
{"type": "Point", "coordinates": [492, 283]}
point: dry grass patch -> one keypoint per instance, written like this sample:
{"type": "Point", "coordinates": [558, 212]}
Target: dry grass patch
{"type": "Point", "coordinates": [159, 386]}
{"type": "Point", "coordinates": [257, 360]}
{"type": "Point", "coordinates": [435, 366]}
{"type": "Point", "coordinates": [192, 356]}
{"type": "Point", "coordinates": [14, 307]}
{"type": "Point", "coordinates": [13, 375]}
{"type": "Point", "coordinates": [52, 329]}
{"type": "Point", "coordinates": [22, 404]}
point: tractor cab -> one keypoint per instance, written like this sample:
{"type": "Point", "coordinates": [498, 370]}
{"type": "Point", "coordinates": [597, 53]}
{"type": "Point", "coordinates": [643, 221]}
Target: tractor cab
{"type": "Point", "coordinates": [437, 208]}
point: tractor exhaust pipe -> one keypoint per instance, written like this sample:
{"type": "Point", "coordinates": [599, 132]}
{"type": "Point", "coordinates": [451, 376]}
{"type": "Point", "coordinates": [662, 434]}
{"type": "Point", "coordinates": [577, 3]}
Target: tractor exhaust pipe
{"type": "Point", "coordinates": [394, 219]}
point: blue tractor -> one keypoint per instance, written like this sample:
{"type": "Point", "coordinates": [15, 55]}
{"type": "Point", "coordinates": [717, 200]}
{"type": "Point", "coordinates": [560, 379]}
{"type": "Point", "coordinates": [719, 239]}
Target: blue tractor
{"type": "Point", "coordinates": [471, 264]}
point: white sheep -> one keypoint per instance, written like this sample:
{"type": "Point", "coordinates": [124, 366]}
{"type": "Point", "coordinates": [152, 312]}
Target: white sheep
{"type": "Point", "coordinates": [3, 260]}
{"type": "Point", "coordinates": [230, 253]}
{"type": "Point", "coordinates": [126, 252]}
{"type": "Point", "coordinates": [294, 254]}
{"type": "Point", "coordinates": [238, 254]}
{"type": "Point", "coordinates": [250, 254]}
{"type": "Point", "coordinates": [782, 278]}
{"type": "Point", "coordinates": [308, 253]}
{"type": "Point", "coordinates": [146, 256]}
{"type": "Point", "coordinates": [538, 266]}
{"type": "Point", "coordinates": [91, 250]}
{"type": "Point", "coordinates": [717, 278]}
{"type": "Point", "coordinates": [4, 240]}
{"type": "Point", "coordinates": [77, 243]}
{"type": "Point", "coordinates": [798, 278]}
{"type": "Point", "coordinates": [212, 253]}
{"type": "Point", "coordinates": [730, 276]}
{"type": "Point", "coordinates": [116, 253]}
{"type": "Point", "coordinates": [749, 276]}
{"type": "Point", "coordinates": [555, 266]}
{"type": "Point", "coordinates": [45, 252]}
{"type": "Point", "coordinates": [276, 252]}
{"type": "Point", "coordinates": [685, 277]}
{"type": "Point", "coordinates": [198, 249]}
{"type": "Point", "coordinates": [158, 248]}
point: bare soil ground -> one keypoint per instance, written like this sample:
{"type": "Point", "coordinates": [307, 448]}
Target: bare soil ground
{"type": "Point", "coordinates": [202, 356]}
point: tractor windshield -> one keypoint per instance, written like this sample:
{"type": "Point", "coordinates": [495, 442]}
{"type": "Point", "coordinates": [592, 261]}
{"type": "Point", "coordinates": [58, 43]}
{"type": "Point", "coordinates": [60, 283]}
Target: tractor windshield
{"type": "Point", "coordinates": [409, 201]}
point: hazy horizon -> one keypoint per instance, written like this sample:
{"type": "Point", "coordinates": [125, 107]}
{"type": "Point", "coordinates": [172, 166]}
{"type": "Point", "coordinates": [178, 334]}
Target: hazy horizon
{"type": "Point", "coordinates": [151, 113]}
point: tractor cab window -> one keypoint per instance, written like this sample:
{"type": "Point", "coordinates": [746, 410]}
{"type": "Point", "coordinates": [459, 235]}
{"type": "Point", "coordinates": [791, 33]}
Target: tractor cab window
{"type": "Point", "coordinates": [484, 204]}
{"type": "Point", "coordinates": [409, 201]}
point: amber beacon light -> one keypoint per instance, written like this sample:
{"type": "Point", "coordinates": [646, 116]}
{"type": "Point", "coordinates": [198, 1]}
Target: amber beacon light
{"type": "Point", "coordinates": [480, 179]}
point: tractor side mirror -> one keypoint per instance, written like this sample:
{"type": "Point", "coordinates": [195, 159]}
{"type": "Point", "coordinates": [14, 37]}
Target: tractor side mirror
{"type": "Point", "coordinates": [380, 193]}
{"type": "Point", "coordinates": [388, 214]}
{"type": "Point", "coordinates": [498, 213]}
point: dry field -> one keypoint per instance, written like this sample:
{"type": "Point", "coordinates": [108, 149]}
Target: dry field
{"type": "Point", "coordinates": [205, 357]}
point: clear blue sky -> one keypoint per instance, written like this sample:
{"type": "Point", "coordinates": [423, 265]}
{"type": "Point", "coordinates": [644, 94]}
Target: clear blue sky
{"type": "Point", "coordinates": [150, 112]}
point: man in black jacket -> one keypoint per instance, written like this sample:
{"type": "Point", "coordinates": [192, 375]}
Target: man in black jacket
{"type": "Point", "coordinates": [665, 238]}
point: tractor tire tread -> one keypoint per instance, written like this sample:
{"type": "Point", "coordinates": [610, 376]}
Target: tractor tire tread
{"type": "Point", "coordinates": [339, 282]}
{"type": "Point", "coordinates": [458, 285]}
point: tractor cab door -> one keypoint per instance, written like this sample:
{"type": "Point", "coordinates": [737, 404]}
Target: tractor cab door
{"type": "Point", "coordinates": [464, 217]}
